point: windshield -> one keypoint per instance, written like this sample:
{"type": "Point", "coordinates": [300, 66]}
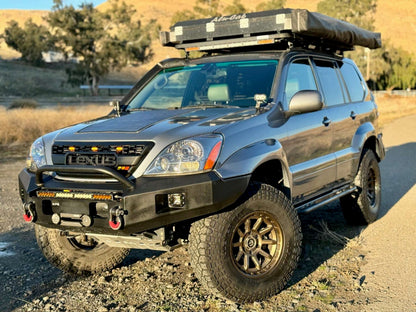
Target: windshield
{"type": "Point", "coordinates": [209, 84]}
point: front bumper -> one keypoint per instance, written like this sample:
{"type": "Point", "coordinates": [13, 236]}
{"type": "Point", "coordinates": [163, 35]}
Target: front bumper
{"type": "Point", "coordinates": [141, 205]}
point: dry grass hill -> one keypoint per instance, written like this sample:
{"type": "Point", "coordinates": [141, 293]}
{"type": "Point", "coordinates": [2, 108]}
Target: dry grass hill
{"type": "Point", "coordinates": [396, 20]}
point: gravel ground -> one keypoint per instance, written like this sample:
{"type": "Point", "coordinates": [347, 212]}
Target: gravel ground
{"type": "Point", "coordinates": [330, 275]}
{"type": "Point", "coordinates": [327, 279]}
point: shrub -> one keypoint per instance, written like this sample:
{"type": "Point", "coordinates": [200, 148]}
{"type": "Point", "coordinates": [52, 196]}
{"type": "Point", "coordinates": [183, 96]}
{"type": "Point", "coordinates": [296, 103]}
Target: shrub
{"type": "Point", "coordinates": [24, 103]}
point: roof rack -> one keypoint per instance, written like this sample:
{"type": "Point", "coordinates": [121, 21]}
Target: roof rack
{"type": "Point", "coordinates": [269, 30]}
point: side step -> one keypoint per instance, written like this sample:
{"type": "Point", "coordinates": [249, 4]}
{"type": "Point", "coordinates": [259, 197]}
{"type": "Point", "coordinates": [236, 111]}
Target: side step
{"type": "Point", "coordinates": [325, 199]}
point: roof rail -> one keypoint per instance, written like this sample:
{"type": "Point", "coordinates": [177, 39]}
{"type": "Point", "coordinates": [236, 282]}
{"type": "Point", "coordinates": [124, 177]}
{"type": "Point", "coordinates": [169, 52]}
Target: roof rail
{"type": "Point", "coordinates": [269, 30]}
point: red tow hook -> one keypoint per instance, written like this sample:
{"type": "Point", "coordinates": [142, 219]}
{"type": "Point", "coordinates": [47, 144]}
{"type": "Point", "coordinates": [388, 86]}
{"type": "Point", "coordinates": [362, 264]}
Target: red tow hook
{"type": "Point", "coordinates": [116, 220]}
{"type": "Point", "coordinates": [29, 215]}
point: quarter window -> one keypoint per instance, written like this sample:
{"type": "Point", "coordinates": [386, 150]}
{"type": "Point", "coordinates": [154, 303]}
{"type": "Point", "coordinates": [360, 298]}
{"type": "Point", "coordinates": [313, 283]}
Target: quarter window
{"type": "Point", "coordinates": [330, 83]}
{"type": "Point", "coordinates": [353, 81]}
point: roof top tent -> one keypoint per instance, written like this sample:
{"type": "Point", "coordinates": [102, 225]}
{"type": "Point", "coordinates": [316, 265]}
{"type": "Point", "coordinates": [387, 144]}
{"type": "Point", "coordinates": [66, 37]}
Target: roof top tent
{"type": "Point", "coordinates": [282, 28]}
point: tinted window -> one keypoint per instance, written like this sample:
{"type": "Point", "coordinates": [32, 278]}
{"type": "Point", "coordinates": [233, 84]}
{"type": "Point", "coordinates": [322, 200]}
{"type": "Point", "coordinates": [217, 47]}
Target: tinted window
{"type": "Point", "coordinates": [353, 82]}
{"type": "Point", "coordinates": [330, 83]}
{"type": "Point", "coordinates": [299, 77]}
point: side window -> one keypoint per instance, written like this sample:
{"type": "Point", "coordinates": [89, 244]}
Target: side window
{"type": "Point", "coordinates": [353, 81]}
{"type": "Point", "coordinates": [299, 77]}
{"type": "Point", "coordinates": [330, 83]}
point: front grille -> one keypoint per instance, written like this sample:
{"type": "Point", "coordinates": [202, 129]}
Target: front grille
{"type": "Point", "coordinates": [120, 149]}
{"type": "Point", "coordinates": [123, 157]}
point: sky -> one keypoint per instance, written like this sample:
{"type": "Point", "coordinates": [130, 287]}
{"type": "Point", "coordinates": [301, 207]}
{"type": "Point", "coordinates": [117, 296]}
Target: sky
{"type": "Point", "coordinates": [41, 4]}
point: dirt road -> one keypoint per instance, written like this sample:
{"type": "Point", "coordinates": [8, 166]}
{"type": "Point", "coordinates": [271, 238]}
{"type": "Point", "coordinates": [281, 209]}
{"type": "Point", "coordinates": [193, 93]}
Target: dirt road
{"type": "Point", "coordinates": [342, 268]}
{"type": "Point", "coordinates": [391, 240]}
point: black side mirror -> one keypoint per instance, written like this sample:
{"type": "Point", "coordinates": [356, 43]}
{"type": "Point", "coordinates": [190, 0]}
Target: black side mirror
{"type": "Point", "coordinates": [305, 101]}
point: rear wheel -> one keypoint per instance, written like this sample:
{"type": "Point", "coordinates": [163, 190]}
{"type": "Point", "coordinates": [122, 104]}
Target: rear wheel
{"type": "Point", "coordinates": [77, 253]}
{"type": "Point", "coordinates": [249, 253]}
{"type": "Point", "coordinates": [362, 207]}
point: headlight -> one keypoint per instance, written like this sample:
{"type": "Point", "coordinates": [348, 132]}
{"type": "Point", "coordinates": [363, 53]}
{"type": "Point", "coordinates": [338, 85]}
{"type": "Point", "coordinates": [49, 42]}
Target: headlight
{"type": "Point", "coordinates": [192, 155]}
{"type": "Point", "coordinates": [36, 157]}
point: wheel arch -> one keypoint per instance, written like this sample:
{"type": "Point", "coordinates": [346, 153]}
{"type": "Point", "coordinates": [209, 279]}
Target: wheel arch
{"type": "Point", "coordinates": [265, 161]}
{"type": "Point", "coordinates": [366, 137]}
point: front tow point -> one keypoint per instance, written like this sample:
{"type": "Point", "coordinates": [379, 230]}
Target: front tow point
{"type": "Point", "coordinates": [30, 214]}
{"type": "Point", "coordinates": [116, 220]}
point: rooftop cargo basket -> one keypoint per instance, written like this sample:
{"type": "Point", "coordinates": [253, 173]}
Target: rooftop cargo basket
{"type": "Point", "coordinates": [269, 30]}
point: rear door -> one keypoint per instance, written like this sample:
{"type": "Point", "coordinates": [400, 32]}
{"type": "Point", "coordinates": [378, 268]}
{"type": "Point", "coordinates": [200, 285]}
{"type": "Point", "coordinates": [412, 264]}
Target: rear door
{"type": "Point", "coordinates": [342, 114]}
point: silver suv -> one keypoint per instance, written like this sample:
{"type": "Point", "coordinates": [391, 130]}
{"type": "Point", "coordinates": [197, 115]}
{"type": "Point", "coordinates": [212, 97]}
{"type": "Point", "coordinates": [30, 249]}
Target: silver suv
{"type": "Point", "coordinates": [219, 152]}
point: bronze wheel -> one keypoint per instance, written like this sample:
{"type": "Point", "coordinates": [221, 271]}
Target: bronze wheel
{"type": "Point", "coordinates": [257, 243]}
{"type": "Point", "coordinates": [248, 253]}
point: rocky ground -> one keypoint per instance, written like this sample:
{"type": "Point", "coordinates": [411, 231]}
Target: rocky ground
{"type": "Point", "coordinates": [330, 276]}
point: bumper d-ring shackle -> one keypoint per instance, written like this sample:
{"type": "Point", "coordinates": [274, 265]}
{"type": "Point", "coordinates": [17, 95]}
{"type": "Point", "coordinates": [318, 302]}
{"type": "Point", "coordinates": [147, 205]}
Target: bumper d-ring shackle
{"type": "Point", "coordinates": [116, 219]}
{"type": "Point", "coordinates": [30, 212]}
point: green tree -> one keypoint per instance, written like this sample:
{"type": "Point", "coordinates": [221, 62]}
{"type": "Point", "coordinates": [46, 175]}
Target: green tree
{"type": "Point", "coordinates": [271, 5]}
{"type": "Point", "coordinates": [400, 72]}
{"type": "Point", "coordinates": [30, 41]}
{"type": "Point", "coordinates": [101, 41]}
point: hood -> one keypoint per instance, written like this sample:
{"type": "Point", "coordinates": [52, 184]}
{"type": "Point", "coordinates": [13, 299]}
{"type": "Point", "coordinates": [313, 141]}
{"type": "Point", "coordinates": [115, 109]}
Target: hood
{"type": "Point", "coordinates": [148, 125]}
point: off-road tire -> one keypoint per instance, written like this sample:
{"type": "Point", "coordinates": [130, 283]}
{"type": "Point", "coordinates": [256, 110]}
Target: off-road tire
{"type": "Point", "coordinates": [216, 243]}
{"type": "Point", "coordinates": [72, 256]}
{"type": "Point", "coordinates": [362, 207]}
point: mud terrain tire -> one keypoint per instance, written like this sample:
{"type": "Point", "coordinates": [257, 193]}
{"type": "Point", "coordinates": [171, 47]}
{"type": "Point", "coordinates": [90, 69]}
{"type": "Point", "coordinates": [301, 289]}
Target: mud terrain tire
{"type": "Point", "coordinates": [250, 252]}
{"type": "Point", "coordinates": [362, 207]}
{"type": "Point", "coordinates": [77, 254]}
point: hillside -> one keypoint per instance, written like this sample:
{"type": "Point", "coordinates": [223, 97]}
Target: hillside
{"type": "Point", "coordinates": [389, 20]}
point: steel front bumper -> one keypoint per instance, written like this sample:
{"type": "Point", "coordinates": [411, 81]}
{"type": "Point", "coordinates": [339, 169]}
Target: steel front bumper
{"type": "Point", "coordinates": [126, 206]}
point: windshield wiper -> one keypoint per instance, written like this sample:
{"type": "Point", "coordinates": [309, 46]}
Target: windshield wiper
{"type": "Point", "coordinates": [139, 109]}
{"type": "Point", "coordinates": [210, 106]}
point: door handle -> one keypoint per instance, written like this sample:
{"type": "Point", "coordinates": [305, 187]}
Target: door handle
{"type": "Point", "coordinates": [326, 121]}
{"type": "Point", "coordinates": [353, 115]}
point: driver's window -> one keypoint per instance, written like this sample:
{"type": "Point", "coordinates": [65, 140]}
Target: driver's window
{"type": "Point", "coordinates": [299, 77]}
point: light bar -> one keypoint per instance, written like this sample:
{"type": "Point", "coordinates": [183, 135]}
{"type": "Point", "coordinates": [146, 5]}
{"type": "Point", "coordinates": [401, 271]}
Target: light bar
{"type": "Point", "coordinates": [74, 195]}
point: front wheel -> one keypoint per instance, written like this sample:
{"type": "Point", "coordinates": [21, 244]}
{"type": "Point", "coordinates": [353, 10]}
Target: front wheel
{"type": "Point", "coordinates": [249, 253]}
{"type": "Point", "coordinates": [362, 207]}
{"type": "Point", "coordinates": [77, 253]}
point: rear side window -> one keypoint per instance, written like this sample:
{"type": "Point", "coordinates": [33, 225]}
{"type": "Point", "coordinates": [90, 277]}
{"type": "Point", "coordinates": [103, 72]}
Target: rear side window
{"type": "Point", "coordinates": [299, 77]}
{"type": "Point", "coordinates": [330, 83]}
{"type": "Point", "coordinates": [353, 81]}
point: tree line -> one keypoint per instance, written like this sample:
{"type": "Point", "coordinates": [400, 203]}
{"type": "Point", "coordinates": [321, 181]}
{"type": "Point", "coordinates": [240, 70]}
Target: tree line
{"type": "Point", "coordinates": [105, 41]}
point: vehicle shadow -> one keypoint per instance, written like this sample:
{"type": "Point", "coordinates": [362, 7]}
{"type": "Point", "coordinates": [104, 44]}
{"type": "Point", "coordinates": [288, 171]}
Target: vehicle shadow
{"type": "Point", "coordinates": [398, 174]}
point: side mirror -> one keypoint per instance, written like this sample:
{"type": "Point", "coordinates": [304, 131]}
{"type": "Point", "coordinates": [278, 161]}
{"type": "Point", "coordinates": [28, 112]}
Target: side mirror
{"type": "Point", "coordinates": [305, 101]}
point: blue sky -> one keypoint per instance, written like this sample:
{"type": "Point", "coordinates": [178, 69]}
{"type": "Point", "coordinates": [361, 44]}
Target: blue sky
{"type": "Point", "coordinates": [41, 4]}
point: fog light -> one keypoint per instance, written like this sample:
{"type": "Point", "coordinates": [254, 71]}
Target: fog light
{"type": "Point", "coordinates": [56, 218]}
{"type": "Point", "coordinates": [176, 200]}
